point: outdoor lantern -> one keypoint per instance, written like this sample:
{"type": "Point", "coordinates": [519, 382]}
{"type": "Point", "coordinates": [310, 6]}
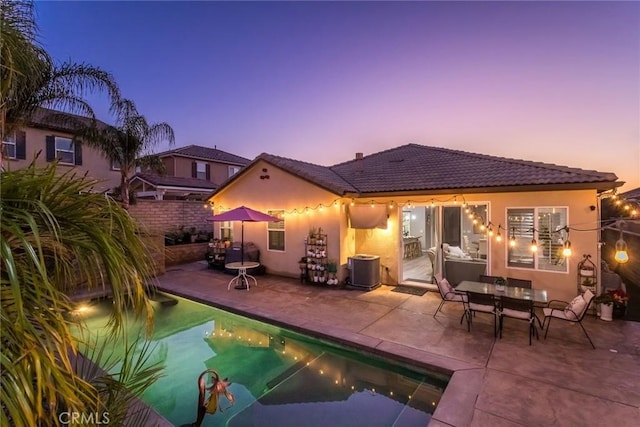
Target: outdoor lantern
{"type": "Point", "coordinates": [621, 255]}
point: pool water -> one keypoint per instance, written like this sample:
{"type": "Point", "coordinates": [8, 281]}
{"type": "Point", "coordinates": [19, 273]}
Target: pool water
{"type": "Point", "coordinates": [278, 377]}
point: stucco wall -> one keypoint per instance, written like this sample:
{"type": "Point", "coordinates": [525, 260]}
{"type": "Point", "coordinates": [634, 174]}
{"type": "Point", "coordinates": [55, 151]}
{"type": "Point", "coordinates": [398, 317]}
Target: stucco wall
{"type": "Point", "coordinates": [561, 285]}
{"type": "Point", "coordinates": [181, 166]}
{"type": "Point", "coordinates": [283, 191]}
{"type": "Point", "coordinates": [93, 162]}
{"type": "Point", "coordinates": [161, 216]}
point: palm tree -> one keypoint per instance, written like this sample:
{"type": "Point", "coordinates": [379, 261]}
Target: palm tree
{"type": "Point", "coordinates": [55, 236]}
{"type": "Point", "coordinates": [30, 78]}
{"type": "Point", "coordinates": [129, 143]}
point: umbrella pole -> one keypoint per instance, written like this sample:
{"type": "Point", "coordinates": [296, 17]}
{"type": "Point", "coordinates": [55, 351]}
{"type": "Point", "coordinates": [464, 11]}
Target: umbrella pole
{"type": "Point", "coordinates": [242, 244]}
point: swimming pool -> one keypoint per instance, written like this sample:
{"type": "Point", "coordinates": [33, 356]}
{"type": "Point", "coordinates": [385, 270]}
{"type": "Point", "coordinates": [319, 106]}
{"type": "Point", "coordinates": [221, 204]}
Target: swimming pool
{"type": "Point", "coordinates": [279, 377]}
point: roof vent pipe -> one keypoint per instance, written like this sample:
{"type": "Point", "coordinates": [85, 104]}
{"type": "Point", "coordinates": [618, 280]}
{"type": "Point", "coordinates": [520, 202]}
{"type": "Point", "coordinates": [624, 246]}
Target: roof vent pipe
{"type": "Point", "coordinates": [358, 164]}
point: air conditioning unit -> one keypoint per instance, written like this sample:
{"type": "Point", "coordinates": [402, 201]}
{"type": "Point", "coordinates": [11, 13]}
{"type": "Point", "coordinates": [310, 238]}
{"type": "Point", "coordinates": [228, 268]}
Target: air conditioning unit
{"type": "Point", "coordinates": [364, 271]}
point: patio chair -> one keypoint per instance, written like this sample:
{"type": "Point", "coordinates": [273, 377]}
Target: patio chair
{"type": "Point", "coordinates": [448, 294]}
{"type": "Point", "coordinates": [482, 303]}
{"type": "Point", "coordinates": [488, 279]}
{"type": "Point", "coordinates": [573, 311]}
{"type": "Point", "coordinates": [519, 309]}
{"type": "Point", "coordinates": [519, 283]}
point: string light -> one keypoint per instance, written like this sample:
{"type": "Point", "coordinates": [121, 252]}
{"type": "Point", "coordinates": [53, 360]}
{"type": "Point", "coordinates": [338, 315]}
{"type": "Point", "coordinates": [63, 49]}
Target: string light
{"type": "Point", "coordinates": [512, 239]}
{"type": "Point", "coordinates": [621, 256]}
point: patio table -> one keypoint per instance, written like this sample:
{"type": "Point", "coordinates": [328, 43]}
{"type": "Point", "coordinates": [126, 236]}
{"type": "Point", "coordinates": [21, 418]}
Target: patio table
{"type": "Point", "coordinates": [241, 279]}
{"type": "Point", "coordinates": [536, 295]}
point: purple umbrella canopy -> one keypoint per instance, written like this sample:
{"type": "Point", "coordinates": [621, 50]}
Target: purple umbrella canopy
{"type": "Point", "coordinates": [243, 214]}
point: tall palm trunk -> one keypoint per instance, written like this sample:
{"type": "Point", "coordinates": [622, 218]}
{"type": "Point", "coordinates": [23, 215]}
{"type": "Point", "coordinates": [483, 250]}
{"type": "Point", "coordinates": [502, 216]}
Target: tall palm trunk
{"type": "Point", "coordinates": [124, 188]}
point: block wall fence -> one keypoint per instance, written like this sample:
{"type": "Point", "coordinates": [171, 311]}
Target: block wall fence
{"type": "Point", "coordinates": [163, 216]}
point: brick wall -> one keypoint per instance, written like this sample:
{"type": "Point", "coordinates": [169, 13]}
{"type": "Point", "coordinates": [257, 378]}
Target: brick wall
{"type": "Point", "coordinates": [182, 254]}
{"type": "Point", "coordinates": [162, 216]}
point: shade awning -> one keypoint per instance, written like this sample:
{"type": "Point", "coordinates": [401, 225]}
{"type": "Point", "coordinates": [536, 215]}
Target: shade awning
{"type": "Point", "coordinates": [365, 216]}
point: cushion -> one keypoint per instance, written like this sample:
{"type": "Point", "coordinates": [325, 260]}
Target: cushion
{"type": "Point", "coordinates": [445, 286]}
{"type": "Point", "coordinates": [456, 251]}
{"type": "Point", "coordinates": [575, 308]}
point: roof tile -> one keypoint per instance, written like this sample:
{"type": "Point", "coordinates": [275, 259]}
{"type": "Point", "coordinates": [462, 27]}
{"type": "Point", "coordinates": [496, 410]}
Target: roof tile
{"type": "Point", "coordinates": [206, 153]}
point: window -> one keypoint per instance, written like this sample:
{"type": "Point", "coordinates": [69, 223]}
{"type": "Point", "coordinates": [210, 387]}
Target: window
{"type": "Point", "coordinates": [9, 146]}
{"type": "Point", "coordinates": [233, 170]}
{"type": "Point", "coordinates": [201, 170]}
{"type": "Point", "coordinates": [275, 231]}
{"type": "Point", "coordinates": [64, 150]}
{"type": "Point", "coordinates": [545, 226]}
{"type": "Point", "coordinates": [226, 231]}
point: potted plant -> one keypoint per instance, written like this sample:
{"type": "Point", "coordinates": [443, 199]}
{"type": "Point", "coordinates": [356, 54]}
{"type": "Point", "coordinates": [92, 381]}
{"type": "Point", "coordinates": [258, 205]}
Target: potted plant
{"type": "Point", "coordinates": [312, 236]}
{"type": "Point", "coordinates": [606, 306]}
{"type": "Point", "coordinates": [500, 283]}
{"type": "Point", "coordinates": [587, 284]}
{"type": "Point", "coordinates": [620, 299]}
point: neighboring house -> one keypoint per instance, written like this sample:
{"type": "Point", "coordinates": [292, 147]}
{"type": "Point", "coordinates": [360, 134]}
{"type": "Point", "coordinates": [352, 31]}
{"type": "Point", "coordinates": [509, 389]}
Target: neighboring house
{"type": "Point", "coordinates": [192, 172]}
{"type": "Point", "coordinates": [149, 185]}
{"type": "Point", "coordinates": [375, 204]}
{"type": "Point", "coordinates": [53, 139]}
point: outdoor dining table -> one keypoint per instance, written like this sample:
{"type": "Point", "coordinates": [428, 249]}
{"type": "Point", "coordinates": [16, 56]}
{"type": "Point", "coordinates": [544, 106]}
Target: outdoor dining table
{"type": "Point", "coordinates": [536, 295]}
{"type": "Point", "coordinates": [241, 279]}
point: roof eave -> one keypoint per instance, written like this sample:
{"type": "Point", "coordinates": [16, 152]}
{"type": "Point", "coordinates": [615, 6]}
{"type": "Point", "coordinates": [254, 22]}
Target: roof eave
{"type": "Point", "coordinates": [206, 159]}
{"type": "Point", "coordinates": [244, 170]}
{"type": "Point", "coordinates": [598, 186]}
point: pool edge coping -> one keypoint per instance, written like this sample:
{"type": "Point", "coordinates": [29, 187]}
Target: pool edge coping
{"type": "Point", "coordinates": [457, 404]}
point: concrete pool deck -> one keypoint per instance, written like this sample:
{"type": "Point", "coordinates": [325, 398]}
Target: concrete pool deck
{"type": "Point", "coordinates": [560, 381]}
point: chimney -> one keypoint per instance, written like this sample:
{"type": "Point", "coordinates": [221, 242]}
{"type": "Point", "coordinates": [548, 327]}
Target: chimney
{"type": "Point", "coordinates": [358, 163]}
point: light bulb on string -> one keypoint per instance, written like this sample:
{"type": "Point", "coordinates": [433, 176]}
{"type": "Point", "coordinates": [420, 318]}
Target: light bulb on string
{"type": "Point", "coordinates": [534, 245]}
{"type": "Point", "coordinates": [566, 249]}
{"type": "Point", "coordinates": [621, 256]}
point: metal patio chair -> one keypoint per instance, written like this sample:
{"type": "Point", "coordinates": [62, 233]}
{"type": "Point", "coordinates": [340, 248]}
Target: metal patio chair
{"type": "Point", "coordinates": [448, 294]}
{"type": "Point", "coordinates": [481, 303]}
{"type": "Point", "coordinates": [519, 309]}
{"type": "Point", "coordinates": [573, 311]}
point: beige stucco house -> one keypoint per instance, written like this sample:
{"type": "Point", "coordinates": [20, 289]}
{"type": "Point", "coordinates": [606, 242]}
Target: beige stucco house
{"type": "Point", "coordinates": [45, 139]}
{"type": "Point", "coordinates": [403, 203]}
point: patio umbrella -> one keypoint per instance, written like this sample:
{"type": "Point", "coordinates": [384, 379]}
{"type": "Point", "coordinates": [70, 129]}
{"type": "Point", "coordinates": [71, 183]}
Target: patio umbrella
{"type": "Point", "coordinates": [243, 214]}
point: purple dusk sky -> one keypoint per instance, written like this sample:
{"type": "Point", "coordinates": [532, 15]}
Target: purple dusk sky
{"type": "Point", "coordinates": [557, 82]}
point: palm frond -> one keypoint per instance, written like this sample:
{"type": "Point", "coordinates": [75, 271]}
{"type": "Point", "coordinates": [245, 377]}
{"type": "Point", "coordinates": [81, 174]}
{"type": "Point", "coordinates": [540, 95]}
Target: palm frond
{"type": "Point", "coordinates": [55, 237]}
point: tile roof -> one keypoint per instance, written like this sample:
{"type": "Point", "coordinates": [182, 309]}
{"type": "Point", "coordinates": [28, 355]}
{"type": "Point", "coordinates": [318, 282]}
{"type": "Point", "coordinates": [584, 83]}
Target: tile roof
{"type": "Point", "coordinates": [173, 181]}
{"type": "Point", "coordinates": [319, 175]}
{"type": "Point", "coordinates": [414, 167]}
{"type": "Point", "coordinates": [206, 153]}
{"type": "Point", "coordinates": [60, 120]}
{"type": "Point", "coordinates": [632, 194]}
